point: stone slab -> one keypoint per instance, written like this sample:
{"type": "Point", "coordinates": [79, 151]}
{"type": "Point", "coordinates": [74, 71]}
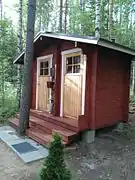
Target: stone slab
{"type": "Point", "coordinates": [9, 136]}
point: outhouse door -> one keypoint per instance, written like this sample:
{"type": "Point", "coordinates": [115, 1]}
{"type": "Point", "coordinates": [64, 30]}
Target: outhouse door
{"type": "Point", "coordinates": [43, 75]}
{"type": "Point", "coordinates": [73, 85]}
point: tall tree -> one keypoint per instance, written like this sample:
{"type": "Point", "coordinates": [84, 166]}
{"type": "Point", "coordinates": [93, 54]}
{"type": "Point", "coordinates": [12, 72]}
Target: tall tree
{"type": "Point", "coordinates": [97, 21]}
{"type": "Point", "coordinates": [1, 9]}
{"type": "Point", "coordinates": [27, 78]}
{"type": "Point", "coordinates": [61, 16]}
{"type": "Point", "coordinates": [66, 13]}
{"type": "Point", "coordinates": [110, 23]}
{"type": "Point", "coordinates": [20, 48]}
{"type": "Point", "coordinates": [2, 63]}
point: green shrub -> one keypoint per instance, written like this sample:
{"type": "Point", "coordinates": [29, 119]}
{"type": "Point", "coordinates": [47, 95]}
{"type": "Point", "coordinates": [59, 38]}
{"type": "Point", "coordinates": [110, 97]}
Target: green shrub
{"type": "Point", "coordinates": [132, 99]}
{"type": "Point", "coordinates": [6, 113]}
{"type": "Point", "coordinates": [8, 108]}
{"type": "Point", "coordinates": [54, 165]}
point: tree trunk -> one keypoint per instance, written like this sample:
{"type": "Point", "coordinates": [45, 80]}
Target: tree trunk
{"type": "Point", "coordinates": [110, 28]}
{"type": "Point", "coordinates": [82, 5]}
{"type": "Point", "coordinates": [97, 21]}
{"type": "Point", "coordinates": [27, 79]}
{"type": "Point", "coordinates": [66, 12]}
{"type": "Point", "coordinates": [61, 14]}
{"type": "Point", "coordinates": [120, 15]}
{"type": "Point", "coordinates": [2, 63]}
{"type": "Point", "coordinates": [1, 9]}
{"type": "Point", "coordinates": [20, 47]}
{"type": "Point", "coordinates": [40, 22]}
{"type": "Point", "coordinates": [40, 16]}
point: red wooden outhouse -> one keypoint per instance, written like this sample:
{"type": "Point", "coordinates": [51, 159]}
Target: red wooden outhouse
{"type": "Point", "coordinates": [78, 84]}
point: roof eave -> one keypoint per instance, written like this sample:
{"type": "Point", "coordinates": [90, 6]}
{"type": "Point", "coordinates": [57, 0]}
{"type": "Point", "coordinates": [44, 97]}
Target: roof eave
{"type": "Point", "coordinates": [69, 38]}
{"type": "Point", "coordinates": [22, 53]}
{"type": "Point", "coordinates": [18, 58]}
{"type": "Point", "coordinates": [100, 42]}
{"type": "Point", "coordinates": [114, 46]}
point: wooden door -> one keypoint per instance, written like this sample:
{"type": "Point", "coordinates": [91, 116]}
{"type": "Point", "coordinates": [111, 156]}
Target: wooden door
{"type": "Point", "coordinates": [72, 92]}
{"type": "Point", "coordinates": [43, 77]}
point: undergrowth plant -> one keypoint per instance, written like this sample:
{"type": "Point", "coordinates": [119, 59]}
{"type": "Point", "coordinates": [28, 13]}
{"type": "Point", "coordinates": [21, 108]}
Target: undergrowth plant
{"type": "Point", "coordinates": [54, 166]}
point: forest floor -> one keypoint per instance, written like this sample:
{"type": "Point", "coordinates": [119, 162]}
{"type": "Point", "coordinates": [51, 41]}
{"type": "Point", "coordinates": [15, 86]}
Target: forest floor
{"type": "Point", "coordinates": [111, 157]}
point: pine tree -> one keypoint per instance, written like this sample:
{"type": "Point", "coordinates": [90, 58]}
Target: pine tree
{"type": "Point", "coordinates": [66, 13]}
{"type": "Point", "coordinates": [97, 21]}
{"type": "Point", "coordinates": [27, 76]}
{"type": "Point", "coordinates": [54, 165]}
{"type": "Point", "coordinates": [61, 16]}
{"type": "Point", "coordinates": [20, 48]}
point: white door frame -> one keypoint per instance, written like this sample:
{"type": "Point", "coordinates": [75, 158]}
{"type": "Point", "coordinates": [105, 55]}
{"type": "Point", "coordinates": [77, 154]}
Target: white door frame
{"type": "Point", "coordinates": [63, 54]}
{"type": "Point", "coordinates": [43, 59]}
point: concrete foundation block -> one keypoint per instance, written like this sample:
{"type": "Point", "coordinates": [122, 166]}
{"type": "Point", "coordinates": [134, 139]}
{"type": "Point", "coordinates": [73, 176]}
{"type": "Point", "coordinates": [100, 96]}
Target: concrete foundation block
{"type": "Point", "coordinates": [89, 136]}
{"type": "Point", "coordinates": [120, 127]}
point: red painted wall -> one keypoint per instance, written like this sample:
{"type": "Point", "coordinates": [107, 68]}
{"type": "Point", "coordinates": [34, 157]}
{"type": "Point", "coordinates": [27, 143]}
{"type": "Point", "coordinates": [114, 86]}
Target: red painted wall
{"type": "Point", "coordinates": [112, 88]}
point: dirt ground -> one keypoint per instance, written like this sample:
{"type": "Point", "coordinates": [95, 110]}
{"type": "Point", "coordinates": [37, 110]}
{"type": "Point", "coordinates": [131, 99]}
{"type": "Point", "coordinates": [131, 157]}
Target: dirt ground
{"type": "Point", "coordinates": [111, 157]}
{"type": "Point", "coordinates": [12, 168]}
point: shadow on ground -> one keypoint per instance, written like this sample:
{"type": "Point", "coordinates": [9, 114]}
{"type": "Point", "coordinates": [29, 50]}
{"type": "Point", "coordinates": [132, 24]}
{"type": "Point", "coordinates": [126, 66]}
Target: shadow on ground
{"type": "Point", "coordinates": [111, 157]}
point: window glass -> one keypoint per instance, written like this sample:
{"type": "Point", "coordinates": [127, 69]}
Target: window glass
{"type": "Point", "coordinates": [45, 64]}
{"type": "Point", "coordinates": [73, 64]}
{"type": "Point", "coordinates": [45, 72]}
{"type": "Point", "coordinates": [41, 65]}
{"type": "Point", "coordinates": [69, 69]}
{"type": "Point", "coordinates": [76, 60]}
{"type": "Point", "coordinates": [69, 61]}
{"type": "Point", "coordinates": [76, 69]}
{"type": "Point", "coordinates": [41, 72]}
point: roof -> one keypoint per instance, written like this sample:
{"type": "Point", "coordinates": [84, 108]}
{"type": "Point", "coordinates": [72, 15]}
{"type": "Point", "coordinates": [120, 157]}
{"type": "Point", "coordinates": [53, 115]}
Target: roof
{"type": "Point", "coordinates": [83, 39]}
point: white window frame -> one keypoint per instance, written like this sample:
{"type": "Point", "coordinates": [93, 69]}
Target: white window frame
{"type": "Point", "coordinates": [42, 59]}
{"type": "Point", "coordinates": [63, 66]}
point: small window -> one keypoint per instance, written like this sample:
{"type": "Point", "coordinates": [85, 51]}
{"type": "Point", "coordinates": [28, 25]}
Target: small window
{"type": "Point", "coordinates": [73, 64]}
{"type": "Point", "coordinates": [44, 68]}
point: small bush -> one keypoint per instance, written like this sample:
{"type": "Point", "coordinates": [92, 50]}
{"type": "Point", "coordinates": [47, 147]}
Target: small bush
{"type": "Point", "coordinates": [132, 99]}
{"type": "Point", "coordinates": [54, 165]}
{"type": "Point", "coordinates": [8, 108]}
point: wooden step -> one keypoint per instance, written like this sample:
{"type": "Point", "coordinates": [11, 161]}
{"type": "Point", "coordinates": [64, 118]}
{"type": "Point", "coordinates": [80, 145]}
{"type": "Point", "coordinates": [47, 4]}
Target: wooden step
{"type": "Point", "coordinates": [50, 128]}
{"type": "Point", "coordinates": [39, 137]}
{"type": "Point", "coordinates": [41, 127]}
{"type": "Point", "coordinates": [70, 124]}
{"type": "Point", "coordinates": [33, 133]}
{"type": "Point", "coordinates": [14, 122]}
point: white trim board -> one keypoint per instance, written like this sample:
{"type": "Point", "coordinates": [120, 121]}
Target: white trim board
{"type": "Point", "coordinates": [39, 59]}
{"type": "Point", "coordinates": [75, 50]}
{"type": "Point", "coordinates": [83, 58]}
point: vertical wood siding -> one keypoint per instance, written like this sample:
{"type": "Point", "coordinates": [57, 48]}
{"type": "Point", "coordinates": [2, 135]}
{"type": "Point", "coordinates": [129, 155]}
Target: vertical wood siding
{"type": "Point", "coordinates": [112, 89]}
{"type": "Point", "coordinates": [72, 95]}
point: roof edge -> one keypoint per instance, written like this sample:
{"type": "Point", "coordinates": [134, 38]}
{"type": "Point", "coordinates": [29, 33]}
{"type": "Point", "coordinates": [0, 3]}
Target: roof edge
{"type": "Point", "coordinates": [116, 46]}
{"type": "Point", "coordinates": [88, 40]}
